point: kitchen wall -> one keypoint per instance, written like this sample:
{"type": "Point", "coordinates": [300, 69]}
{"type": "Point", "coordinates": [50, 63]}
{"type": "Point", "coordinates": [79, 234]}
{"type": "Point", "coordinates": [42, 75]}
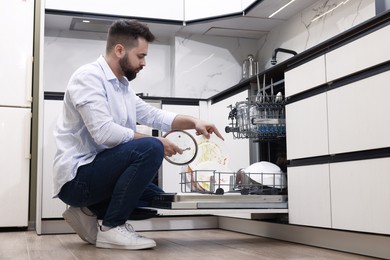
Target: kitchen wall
{"type": "Point", "coordinates": [196, 67]}
{"type": "Point", "coordinates": [206, 65]}
{"type": "Point", "coordinates": [302, 32]}
{"type": "Point", "coordinates": [66, 51]}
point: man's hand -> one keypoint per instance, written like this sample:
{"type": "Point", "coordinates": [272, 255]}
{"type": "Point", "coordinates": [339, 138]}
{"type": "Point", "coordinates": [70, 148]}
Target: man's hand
{"type": "Point", "coordinates": [205, 128]}
{"type": "Point", "coordinates": [184, 122]}
{"type": "Point", "coordinates": [169, 147]}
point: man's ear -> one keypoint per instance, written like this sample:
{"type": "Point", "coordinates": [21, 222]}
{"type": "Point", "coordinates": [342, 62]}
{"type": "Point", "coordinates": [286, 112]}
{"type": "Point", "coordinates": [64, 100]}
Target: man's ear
{"type": "Point", "coordinates": [119, 50]}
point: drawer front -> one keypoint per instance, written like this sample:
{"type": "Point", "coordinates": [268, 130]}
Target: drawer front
{"type": "Point", "coordinates": [358, 115]}
{"type": "Point", "coordinates": [306, 76]}
{"type": "Point", "coordinates": [307, 128]}
{"type": "Point", "coordinates": [361, 195]}
{"type": "Point", "coordinates": [363, 53]}
{"type": "Point", "coordinates": [309, 195]}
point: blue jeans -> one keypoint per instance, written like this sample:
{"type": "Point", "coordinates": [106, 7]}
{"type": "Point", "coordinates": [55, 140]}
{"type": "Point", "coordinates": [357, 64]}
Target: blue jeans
{"type": "Point", "coordinates": [117, 181]}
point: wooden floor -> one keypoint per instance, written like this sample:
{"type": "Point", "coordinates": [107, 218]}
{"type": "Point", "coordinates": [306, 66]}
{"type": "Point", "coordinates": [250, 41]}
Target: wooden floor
{"type": "Point", "coordinates": [194, 244]}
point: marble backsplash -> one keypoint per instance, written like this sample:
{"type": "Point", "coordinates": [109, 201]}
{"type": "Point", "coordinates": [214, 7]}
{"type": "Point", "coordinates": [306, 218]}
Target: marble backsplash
{"type": "Point", "coordinates": [206, 65]}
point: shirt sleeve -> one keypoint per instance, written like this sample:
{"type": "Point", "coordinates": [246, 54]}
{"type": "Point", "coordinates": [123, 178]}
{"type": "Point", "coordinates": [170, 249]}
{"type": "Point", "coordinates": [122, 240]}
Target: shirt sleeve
{"type": "Point", "coordinates": [154, 117]}
{"type": "Point", "coordinates": [89, 98]}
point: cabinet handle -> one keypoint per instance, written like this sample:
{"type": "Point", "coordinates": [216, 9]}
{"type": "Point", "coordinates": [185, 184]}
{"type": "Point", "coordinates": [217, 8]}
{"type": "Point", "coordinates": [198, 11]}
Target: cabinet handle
{"type": "Point", "coordinates": [29, 72]}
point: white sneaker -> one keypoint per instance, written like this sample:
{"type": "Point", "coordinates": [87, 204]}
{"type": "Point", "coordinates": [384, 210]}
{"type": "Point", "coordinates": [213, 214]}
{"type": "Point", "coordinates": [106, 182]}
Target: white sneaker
{"type": "Point", "coordinates": [123, 237]}
{"type": "Point", "coordinates": [85, 225]}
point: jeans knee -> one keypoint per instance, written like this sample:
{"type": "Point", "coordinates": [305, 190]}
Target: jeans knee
{"type": "Point", "coordinates": [156, 148]}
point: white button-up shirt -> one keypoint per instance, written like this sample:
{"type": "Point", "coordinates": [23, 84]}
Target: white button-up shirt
{"type": "Point", "coordinates": [100, 112]}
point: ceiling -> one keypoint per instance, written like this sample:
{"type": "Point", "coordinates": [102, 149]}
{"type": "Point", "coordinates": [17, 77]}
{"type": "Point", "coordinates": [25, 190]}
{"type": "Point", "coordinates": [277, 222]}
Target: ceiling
{"type": "Point", "coordinates": [252, 23]}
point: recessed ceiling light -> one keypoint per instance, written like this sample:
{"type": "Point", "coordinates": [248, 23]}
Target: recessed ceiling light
{"type": "Point", "coordinates": [86, 21]}
{"type": "Point", "coordinates": [281, 8]}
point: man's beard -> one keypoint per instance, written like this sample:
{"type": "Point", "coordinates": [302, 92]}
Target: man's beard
{"type": "Point", "coordinates": [127, 70]}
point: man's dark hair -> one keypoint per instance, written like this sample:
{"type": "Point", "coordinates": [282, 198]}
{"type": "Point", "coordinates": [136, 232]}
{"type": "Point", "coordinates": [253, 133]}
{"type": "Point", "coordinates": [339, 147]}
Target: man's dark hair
{"type": "Point", "coordinates": [127, 32]}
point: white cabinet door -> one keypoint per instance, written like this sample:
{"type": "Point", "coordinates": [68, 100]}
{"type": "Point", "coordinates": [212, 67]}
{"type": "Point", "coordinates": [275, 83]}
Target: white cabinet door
{"type": "Point", "coordinates": [14, 166]}
{"type": "Point", "coordinates": [51, 208]}
{"type": "Point", "coordinates": [16, 52]}
{"type": "Point", "coordinates": [305, 76]}
{"type": "Point", "coordinates": [147, 8]}
{"type": "Point", "coordinates": [171, 173]}
{"type": "Point", "coordinates": [363, 53]}
{"type": "Point", "coordinates": [361, 195]}
{"type": "Point", "coordinates": [307, 128]}
{"type": "Point", "coordinates": [309, 195]}
{"type": "Point", "coordinates": [358, 115]}
{"type": "Point", "coordinates": [195, 9]}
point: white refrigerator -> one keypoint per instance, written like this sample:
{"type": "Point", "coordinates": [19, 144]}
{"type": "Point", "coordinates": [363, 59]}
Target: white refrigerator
{"type": "Point", "coordinates": [16, 52]}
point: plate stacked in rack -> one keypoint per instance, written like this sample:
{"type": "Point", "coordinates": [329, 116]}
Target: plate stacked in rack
{"type": "Point", "coordinates": [206, 171]}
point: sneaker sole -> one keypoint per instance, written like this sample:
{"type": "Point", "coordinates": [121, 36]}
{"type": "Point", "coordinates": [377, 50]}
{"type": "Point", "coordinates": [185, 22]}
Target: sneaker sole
{"type": "Point", "coordinates": [128, 247]}
{"type": "Point", "coordinates": [72, 220]}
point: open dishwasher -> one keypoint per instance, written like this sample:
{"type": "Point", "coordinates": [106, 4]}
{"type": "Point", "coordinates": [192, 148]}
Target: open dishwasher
{"type": "Point", "coordinates": [208, 186]}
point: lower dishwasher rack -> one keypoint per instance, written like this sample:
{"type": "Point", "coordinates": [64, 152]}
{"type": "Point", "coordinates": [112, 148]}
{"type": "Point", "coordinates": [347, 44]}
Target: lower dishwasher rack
{"type": "Point", "coordinates": [208, 191]}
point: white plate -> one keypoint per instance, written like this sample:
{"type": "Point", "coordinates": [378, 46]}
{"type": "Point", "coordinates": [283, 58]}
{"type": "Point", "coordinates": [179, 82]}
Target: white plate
{"type": "Point", "coordinates": [210, 150]}
{"type": "Point", "coordinates": [266, 173]}
{"type": "Point", "coordinates": [211, 157]}
{"type": "Point", "coordinates": [207, 172]}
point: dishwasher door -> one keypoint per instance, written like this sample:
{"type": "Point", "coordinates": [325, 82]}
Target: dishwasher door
{"type": "Point", "coordinates": [215, 201]}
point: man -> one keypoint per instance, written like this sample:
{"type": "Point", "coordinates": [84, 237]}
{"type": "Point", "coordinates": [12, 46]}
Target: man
{"type": "Point", "coordinates": [104, 169]}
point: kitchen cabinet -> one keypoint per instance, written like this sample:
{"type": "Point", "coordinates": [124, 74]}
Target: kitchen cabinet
{"type": "Point", "coordinates": [306, 127]}
{"type": "Point", "coordinates": [356, 115]}
{"type": "Point", "coordinates": [14, 165]}
{"type": "Point", "coordinates": [309, 198]}
{"type": "Point", "coordinates": [15, 110]}
{"type": "Point", "coordinates": [306, 76]}
{"type": "Point", "coordinates": [194, 9]}
{"type": "Point", "coordinates": [51, 207]}
{"type": "Point", "coordinates": [171, 177]}
{"type": "Point", "coordinates": [16, 53]}
{"type": "Point", "coordinates": [354, 56]}
{"type": "Point", "coordinates": [159, 10]}
{"type": "Point", "coordinates": [360, 195]}
{"type": "Point", "coordinates": [177, 10]}
{"type": "Point", "coordinates": [349, 149]}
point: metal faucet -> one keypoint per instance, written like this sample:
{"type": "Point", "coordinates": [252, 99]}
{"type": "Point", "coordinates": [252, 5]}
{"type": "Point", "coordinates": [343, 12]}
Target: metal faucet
{"type": "Point", "coordinates": [273, 60]}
